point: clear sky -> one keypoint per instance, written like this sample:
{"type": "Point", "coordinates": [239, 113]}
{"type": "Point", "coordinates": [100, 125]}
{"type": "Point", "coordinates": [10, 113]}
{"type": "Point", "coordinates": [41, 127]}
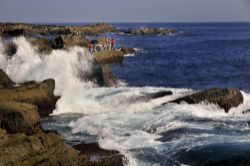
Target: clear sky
{"type": "Point", "coordinates": [124, 10]}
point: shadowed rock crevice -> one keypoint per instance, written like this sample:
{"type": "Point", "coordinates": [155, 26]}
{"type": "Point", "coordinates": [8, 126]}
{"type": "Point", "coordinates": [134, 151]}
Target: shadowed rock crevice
{"type": "Point", "coordinates": [5, 81]}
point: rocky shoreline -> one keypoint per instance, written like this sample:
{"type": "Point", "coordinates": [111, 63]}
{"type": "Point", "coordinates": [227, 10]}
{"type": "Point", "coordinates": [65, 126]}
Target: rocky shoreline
{"type": "Point", "coordinates": [22, 139]}
{"type": "Point", "coordinates": [147, 31]}
{"type": "Point", "coordinates": [17, 29]}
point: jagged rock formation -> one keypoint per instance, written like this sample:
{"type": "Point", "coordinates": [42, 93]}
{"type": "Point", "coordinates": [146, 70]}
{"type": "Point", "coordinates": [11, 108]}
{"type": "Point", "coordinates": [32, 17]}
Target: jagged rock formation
{"type": "Point", "coordinates": [36, 149]}
{"type": "Point", "coordinates": [39, 94]}
{"type": "Point", "coordinates": [109, 78]}
{"type": "Point", "coordinates": [22, 139]}
{"type": "Point", "coordinates": [19, 117]}
{"type": "Point", "coordinates": [225, 98]}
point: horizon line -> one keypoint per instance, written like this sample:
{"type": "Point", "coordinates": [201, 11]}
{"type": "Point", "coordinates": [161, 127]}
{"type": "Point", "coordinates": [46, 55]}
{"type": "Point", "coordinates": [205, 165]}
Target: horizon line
{"type": "Point", "coordinates": [132, 22]}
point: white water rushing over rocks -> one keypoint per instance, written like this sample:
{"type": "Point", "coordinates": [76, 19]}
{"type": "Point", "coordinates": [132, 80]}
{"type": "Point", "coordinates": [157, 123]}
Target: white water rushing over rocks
{"type": "Point", "coordinates": [114, 115]}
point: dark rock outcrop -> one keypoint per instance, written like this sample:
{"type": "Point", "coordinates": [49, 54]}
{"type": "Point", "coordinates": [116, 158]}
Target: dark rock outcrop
{"type": "Point", "coordinates": [225, 98]}
{"type": "Point", "coordinates": [109, 78]}
{"type": "Point", "coordinates": [160, 94]}
{"type": "Point", "coordinates": [13, 32]}
{"type": "Point", "coordinates": [151, 96]}
{"type": "Point", "coordinates": [10, 48]}
{"type": "Point", "coordinates": [58, 43]}
{"type": "Point", "coordinates": [126, 50]}
{"type": "Point", "coordinates": [147, 31]}
{"type": "Point", "coordinates": [39, 94]}
{"type": "Point", "coordinates": [36, 149]}
{"type": "Point", "coordinates": [19, 117]}
{"type": "Point", "coordinates": [109, 57]}
{"type": "Point", "coordinates": [5, 81]}
{"type": "Point", "coordinates": [102, 157]}
{"type": "Point", "coordinates": [24, 142]}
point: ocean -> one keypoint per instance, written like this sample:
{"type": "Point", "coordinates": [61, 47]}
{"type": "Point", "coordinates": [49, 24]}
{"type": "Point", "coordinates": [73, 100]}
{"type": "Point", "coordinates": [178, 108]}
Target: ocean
{"type": "Point", "coordinates": [199, 56]}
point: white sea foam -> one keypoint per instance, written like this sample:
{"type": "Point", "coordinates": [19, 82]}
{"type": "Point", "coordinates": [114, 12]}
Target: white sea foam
{"type": "Point", "coordinates": [113, 114]}
{"type": "Point", "coordinates": [129, 55]}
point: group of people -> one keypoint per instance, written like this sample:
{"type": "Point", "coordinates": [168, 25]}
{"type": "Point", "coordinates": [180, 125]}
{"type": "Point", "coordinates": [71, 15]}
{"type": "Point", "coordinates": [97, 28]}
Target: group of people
{"type": "Point", "coordinates": [100, 45]}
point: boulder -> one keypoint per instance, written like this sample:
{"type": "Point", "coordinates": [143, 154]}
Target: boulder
{"type": "Point", "coordinates": [226, 98]}
{"type": "Point", "coordinates": [109, 57]}
{"type": "Point", "coordinates": [13, 32]}
{"type": "Point", "coordinates": [37, 149]}
{"type": "Point", "coordinates": [57, 43]}
{"type": "Point", "coordinates": [74, 40]}
{"type": "Point", "coordinates": [10, 48]}
{"type": "Point", "coordinates": [19, 118]}
{"type": "Point", "coordinates": [5, 81]}
{"type": "Point", "coordinates": [102, 157]}
{"type": "Point", "coordinates": [39, 94]}
{"type": "Point", "coordinates": [126, 50]}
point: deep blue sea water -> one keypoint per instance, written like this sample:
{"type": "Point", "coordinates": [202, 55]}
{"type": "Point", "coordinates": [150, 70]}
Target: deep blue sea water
{"type": "Point", "coordinates": [199, 56]}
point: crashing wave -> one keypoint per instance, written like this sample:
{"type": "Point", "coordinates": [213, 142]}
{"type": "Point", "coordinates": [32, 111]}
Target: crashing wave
{"type": "Point", "coordinates": [133, 128]}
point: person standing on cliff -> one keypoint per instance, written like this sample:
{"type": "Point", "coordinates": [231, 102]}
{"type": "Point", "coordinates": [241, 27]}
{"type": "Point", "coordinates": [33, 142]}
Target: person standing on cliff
{"type": "Point", "coordinates": [113, 44]}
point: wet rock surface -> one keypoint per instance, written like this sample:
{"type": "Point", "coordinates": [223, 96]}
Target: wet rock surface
{"type": "Point", "coordinates": [10, 49]}
{"type": "Point", "coordinates": [225, 98]}
{"type": "Point", "coordinates": [151, 96]}
{"type": "Point", "coordinates": [109, 78]}
{"type": "Point", "coordinates": [19, 117]}
{"type": "Point", "coordinates": [35, 149]}
{"type": "Point", "coordinates": [126, 50]}
{"type": "Point", "coordinates": [93, 155]}
{"type": "Point", "coordinates": [39, 94]}
{"type": "Point", "coordinates": [5, 81]}
{"type": "Point", "coordinates": [24, 142]}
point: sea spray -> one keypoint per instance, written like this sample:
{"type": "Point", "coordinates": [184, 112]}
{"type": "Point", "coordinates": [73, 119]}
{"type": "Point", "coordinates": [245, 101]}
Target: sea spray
{"type": "Point", "coordinates": [134, 127]}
